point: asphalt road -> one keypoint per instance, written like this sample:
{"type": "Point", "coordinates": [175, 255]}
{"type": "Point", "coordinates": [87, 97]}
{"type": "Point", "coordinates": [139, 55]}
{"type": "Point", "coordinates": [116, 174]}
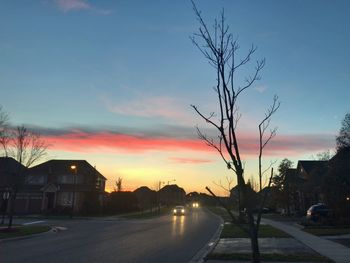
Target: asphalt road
{"type": "Point", "coordinates": [164, 239]}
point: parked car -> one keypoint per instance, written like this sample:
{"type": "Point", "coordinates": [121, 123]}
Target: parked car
{"type": "Point", "coordinates": [179, 210]}
{"type": "Point", "coordinates": [319, 212]}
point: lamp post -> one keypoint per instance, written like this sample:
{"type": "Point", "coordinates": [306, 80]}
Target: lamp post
{"type": "Point", "coordinates": [75, 169]}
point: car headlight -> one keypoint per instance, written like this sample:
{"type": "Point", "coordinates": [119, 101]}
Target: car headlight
{"type": "Point", "coordinates": [182, 210]}
{"type": "Point", "coordinates": [175, 211]}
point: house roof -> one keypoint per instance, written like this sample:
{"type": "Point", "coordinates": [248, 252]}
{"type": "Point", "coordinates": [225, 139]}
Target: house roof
{"type": "Point", "coordinates": [172, 188]}
{"type": "Point", "coordinates": [310, 166]}
{"type": "Point", "coordinates": [144, 189]}
{"type": "Point", "coordinates": [64, 167]}
{"type": "Point", "coordinates": [10, 165]}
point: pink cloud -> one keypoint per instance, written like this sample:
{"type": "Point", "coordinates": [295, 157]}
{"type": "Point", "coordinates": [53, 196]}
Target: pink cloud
{"type": "Point", "coordinates": [77, 141]}
{"type": "Point", "coordinates": [182, 160]}
{"type": "Point", "coordinates": [75, 5]}
{"type": "Point", "coordinates": [163, 107]}
{"type": "Point", "coordinates": [69, 5]}
{"type": "Point", "coordinates": [281, 146]}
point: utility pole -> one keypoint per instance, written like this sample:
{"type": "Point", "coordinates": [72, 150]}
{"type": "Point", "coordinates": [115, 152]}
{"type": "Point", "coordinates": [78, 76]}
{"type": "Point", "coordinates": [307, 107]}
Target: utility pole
{"type": "Point", "coordinates": [158, 194]}
{"type": "Point", "coordinates": [174, 180]}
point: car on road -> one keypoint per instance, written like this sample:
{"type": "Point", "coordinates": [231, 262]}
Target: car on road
{"type": "Point", "coordinates": [179, 210]}
{"type": "Point", "coordinates": [195, 205]}
{"type": "Point", "coordinates": [319, 213]}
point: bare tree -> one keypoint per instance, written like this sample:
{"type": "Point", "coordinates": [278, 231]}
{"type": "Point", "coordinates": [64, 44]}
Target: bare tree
{"type": "Point", "coordinates": [220, 49]}
{"type": "Point", "coordinates": [226, 185]}
{"type": "Point", "coordinates": [118, 184]}
{"type": "Point", "coordinates": [324, 156]}
{"type": "Point", "coordinates": [4, 131]}
{"type": "Point", "coordinates": [25, 147]}
{"type": "Point", "coordinates": [157, 187]}
{"type": "Point", "coordinates": [263, 139]}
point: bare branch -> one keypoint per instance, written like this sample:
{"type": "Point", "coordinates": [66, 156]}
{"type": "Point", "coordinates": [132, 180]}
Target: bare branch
{"type": "Point", "coordinates": [228, 185]}
{"type": "Point", "coordinates": [4, 131]}
{"type": "Point", "coordinates": [264, 124]}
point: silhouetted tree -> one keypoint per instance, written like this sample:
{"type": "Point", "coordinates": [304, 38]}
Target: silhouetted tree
{"type": "Point", "coordinates": [118, 184]}
{"type": "Point", "coordinates": [282, 182]}
{"type": "Point", "coordinates": [147, 198]}
{"type": "Point", "coordinates": [25, 147]}
{"type": "Point", "coordinates": [220, 49]}
{"type": "Point", "coordinates": [324, 156]}
{"type": "Point", "coordinates": [4, 131]}
{"type": "Point", "coordinates": [343, 139]}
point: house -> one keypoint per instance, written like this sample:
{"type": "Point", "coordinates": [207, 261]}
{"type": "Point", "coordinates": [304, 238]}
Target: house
{"type": "Point", "coordinates": [147, 198]}
{"type": "Point", "coordinates": [336, 184]}
{"type": "Point", "coordinates": [58, 186]}
{"type": "Point", "coordinates": [9, 171]}
{"type": "Point", "coordinates": [237, 200]}
{"type": "Point", "coordinates": [310, 175]}
{"type": "Point", "coordinates": [269, 193]}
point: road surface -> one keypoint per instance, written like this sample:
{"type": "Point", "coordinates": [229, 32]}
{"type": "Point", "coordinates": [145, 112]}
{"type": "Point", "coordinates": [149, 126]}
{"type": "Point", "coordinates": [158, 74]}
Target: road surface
{"type": "Point", "coordinates": [164, 239]}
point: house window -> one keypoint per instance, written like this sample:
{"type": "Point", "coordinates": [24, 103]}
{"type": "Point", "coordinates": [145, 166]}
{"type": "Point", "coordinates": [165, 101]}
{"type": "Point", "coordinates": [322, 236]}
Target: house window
{"type": "Point", "coordinates": [65, 198]}
{"type": "Point", "coordinates": [35, 179]}
{"type": "Point", "coordinates": [65, 179]}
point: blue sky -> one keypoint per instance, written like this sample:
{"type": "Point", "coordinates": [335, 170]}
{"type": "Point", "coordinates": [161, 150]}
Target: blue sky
{"type": "Point", "coordinates": [129, 67]}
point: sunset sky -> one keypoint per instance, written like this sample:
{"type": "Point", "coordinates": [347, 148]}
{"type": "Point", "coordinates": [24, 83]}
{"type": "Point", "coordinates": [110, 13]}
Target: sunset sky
{"type": "Point", "coordinates": [111, 82]}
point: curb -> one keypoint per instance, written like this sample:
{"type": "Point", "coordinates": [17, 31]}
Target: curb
{"type": "Point", "coordinates": [3, 240]}
{"type": "Point", "coordinates": [204, 251]}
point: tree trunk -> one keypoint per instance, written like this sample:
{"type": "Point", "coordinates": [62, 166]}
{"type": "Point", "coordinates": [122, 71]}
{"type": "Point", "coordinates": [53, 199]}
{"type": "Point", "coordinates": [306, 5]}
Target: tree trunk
{"type": "Point", "coordinates": [253, 238]}
{"type": "Point", "coordinates": [253, 229]}
{"type": "Point", "coordinates": [12, 208]}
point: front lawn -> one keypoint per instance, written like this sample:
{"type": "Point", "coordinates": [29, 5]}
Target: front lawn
{"type": "Point", "coordinates": [18, 231]}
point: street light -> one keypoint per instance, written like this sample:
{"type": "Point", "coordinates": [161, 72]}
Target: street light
{"type": "Point", "coordinates": [75, 169]}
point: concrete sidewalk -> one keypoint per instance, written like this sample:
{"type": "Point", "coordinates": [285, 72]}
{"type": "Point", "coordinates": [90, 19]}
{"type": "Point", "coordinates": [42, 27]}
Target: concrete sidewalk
{"type": "Point", "coordinates": [330, 249]}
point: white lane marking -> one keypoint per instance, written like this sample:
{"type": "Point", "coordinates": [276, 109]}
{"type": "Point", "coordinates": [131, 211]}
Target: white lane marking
{"type": "Point", "coordinates": [34, 222]}
{"type": "Point", "coordinates": [61, 228]}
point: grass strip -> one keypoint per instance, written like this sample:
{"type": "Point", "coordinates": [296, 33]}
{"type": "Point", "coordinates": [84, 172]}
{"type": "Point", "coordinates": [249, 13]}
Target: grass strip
{"type": "Point", "coordinates": [18, 231]}
{"type": "Point", "coordinates": [234, 231]}
{"type": "Point", "coordinates": [270, 257]}
{"type": "Point", "coordinates": [327, 231]}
